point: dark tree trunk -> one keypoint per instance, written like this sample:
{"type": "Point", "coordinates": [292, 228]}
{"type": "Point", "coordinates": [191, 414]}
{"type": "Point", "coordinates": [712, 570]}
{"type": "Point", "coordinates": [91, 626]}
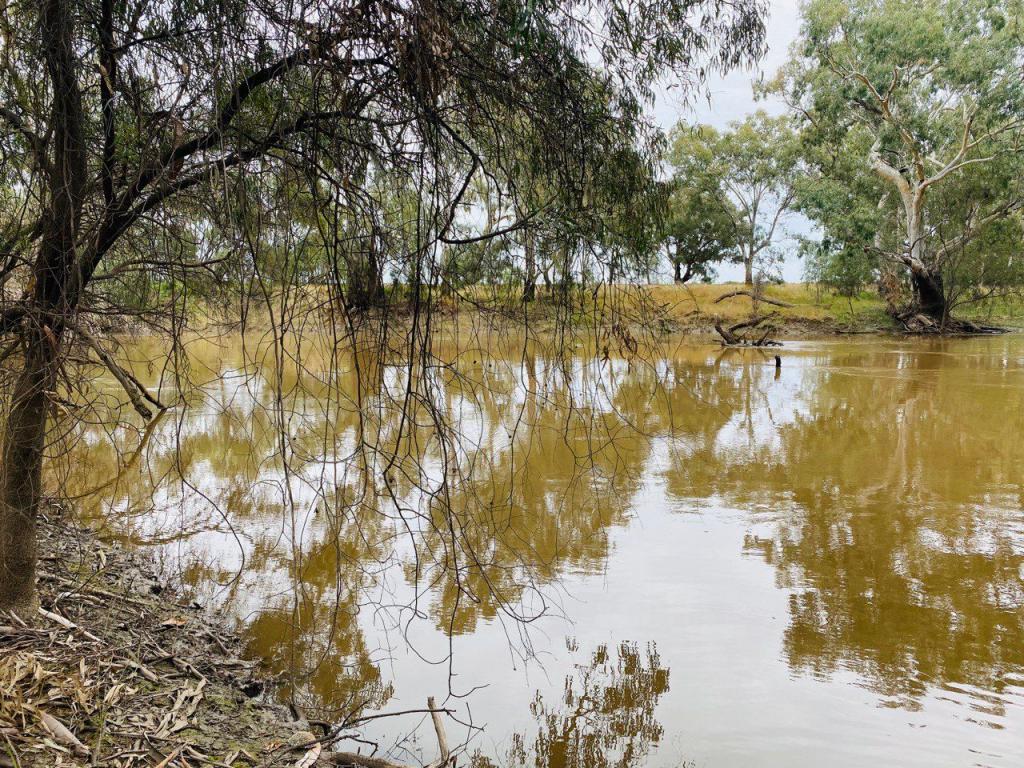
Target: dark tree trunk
{"type": "Point", "coordinates": [546, 277]}
{"type": "Point", "coordinates": [52, 303]}
{"type": "Point", "coordinates": [566, 276]}
{"type": "Point", "coordinates": [365, 281]}
{"type": "Point", "coordinates": [21, 461]}
{"type": "Point", "coordinates": [929, 295]}
{"type": "Point", "coordinates": [530, 278]}
{"type": "Point", "coordinates": [679, 276]}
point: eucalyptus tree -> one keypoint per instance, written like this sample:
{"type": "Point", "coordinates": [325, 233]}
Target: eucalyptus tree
{"type": "Point", "coordinates": [921, 108]}
{"type": "Point", "coordinates": [753, 166]}
{"type": "Point", "coordinates": [699, 228]}
{"type": "Point", "coordinates": [126, 116]}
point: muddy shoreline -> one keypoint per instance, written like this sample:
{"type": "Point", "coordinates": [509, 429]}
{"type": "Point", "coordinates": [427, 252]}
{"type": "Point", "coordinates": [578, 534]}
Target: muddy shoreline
{"type": "Point", "coordinates": [119, 670]}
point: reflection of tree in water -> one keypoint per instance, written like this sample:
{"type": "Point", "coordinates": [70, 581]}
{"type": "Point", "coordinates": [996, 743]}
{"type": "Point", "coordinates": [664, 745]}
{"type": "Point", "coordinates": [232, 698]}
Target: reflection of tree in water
{"type": "Point", "coordinates": [892, 495]}
{"type": "Point", "coordinates": [884, 487]}
{"type": "Point", "coordinates": [605, 718]}
{"type": "Point", "coordinates": [310, 637]}
{"type": "Point", "coordinates": [532, 510]}
{"type": "Point", "coordinates": [543, 461]}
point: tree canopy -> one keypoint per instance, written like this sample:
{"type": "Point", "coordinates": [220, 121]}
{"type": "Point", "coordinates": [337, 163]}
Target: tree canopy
{"type": "Point", "coordinates": [749, 169]}
{"type": "Point", "coordinates": [189, 141]}
{"type": "Point", "coordinates": [911, 117]}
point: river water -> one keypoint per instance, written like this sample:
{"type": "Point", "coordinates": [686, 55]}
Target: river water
{"type": "Point", "coordinates": [684, 557]}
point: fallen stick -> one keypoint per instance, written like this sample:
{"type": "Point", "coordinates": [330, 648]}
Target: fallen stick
{"type": "Point", "coordinates": [442, 738]}
{"type": "Point", "coordinates": [67, 624]}
{"type": "Point", "coordinates": [88, 588]}
{"type": "Point", "coordinates": [353, 760]}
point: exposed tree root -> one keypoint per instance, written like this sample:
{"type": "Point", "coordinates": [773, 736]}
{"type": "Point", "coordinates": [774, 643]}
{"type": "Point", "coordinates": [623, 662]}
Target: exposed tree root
{"type": "Point", "coordinates": [916, 322]}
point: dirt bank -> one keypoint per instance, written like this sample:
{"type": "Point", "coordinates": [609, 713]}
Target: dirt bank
{"type": "Point", "coordinates": [118, 671]}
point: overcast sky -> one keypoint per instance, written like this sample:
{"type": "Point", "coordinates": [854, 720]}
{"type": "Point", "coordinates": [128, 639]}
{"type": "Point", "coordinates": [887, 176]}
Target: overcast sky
{"type": "Point", "coordinates": [732, 98]}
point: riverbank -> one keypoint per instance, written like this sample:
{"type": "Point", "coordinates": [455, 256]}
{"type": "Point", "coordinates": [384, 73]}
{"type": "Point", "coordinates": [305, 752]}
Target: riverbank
{"type": "Point", "coordinates": [791, 310]}
{"type": "Point", "coordinates": [118, 671]}
{"type": "Point", "coordinates": [785, 311]}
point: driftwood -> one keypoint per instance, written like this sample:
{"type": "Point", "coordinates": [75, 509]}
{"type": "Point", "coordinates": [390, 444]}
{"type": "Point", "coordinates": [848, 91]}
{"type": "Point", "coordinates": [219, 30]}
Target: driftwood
{"type": "Point", "coordinates": [753, 296]}
{"type": "Point", "coordinates": [730, 337]}
{"type": "Point", "coordinates": [442, 738]}
{"type": "Point", "coordinates": [355, 760]}
{"type": "Point", "coordinates": [919, 323]}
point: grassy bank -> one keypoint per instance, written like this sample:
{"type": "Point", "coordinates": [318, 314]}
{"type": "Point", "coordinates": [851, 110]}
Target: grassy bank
{"type": "Point", "coordinates": [795, 309]}
{"type": "Point", "coordinates": [791, 309]}
{"type": "Point", "coordinates": [801, 308]}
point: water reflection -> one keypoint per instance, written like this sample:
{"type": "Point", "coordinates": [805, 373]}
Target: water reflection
{"type": "Point", "coordinates": [605, 717]}
{"type": "Point", "coordinates": [880, 482]}
{"type": "Point", "coordinates": [891, 483]}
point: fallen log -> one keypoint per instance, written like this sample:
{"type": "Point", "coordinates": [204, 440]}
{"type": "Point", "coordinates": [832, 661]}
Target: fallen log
{"type": "Point", "coordinates": [755, 297]}
{"type": "Point", "coordinates": [354, 760]}
{"type": "Point", "coordinates": [442, 737]}
{"type": "Point", "coordinates": [730, 338]}
{"type": "Point", "coordinates": [135, 389]}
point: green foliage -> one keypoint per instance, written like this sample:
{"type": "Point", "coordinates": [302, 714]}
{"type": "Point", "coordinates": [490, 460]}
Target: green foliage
{"type": "Point", "coordinates": [750, 170]}
{"type": "Point", "coordinates": [911, 116]}
{"type": "Point", "coordinates": [700, 229]}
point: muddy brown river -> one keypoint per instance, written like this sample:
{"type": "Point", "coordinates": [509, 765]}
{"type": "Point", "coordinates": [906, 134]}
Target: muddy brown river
{"type": "Point", "coordinates": [684, 558]}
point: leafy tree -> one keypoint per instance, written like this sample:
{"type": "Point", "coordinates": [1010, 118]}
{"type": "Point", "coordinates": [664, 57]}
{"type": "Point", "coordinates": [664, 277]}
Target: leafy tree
{"type": "Point", "coordinates": [700, 229]}
{"type": "Point", "coordinates": [754, 166]}
{"type": "Point", "coordinates": [920, 106]}
{"type": "Point", "coordinates": [127, 116]}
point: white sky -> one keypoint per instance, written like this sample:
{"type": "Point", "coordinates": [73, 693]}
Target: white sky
{"type": "Point", "coordinates": [732, 98]}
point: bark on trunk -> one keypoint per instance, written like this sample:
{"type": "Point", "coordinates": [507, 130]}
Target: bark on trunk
{"type": "Point", "coordinates": [679, 276]}
{"type": "Point", "coordinates": [929, 292]}
{"type": "Point", "coordinates": [365, 280]}
{"type": "Point", "coordinates": [748, 269]}
{"type": "Point", "coordinates": [53, 300]}
{"type": "Point", "coordinates": [21, 462]}
{"type": "Point", "coordinates": [929, 295]}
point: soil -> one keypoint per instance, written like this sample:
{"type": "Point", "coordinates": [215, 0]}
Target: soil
{"type": "Point", "coordinates": [118, 671]}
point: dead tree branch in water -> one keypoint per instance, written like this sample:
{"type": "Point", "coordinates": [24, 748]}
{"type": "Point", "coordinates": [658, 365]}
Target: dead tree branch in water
{"type": "Point", "coordinates": [135, 389]}
{"type": "Point", "coordinates": [730, 337]}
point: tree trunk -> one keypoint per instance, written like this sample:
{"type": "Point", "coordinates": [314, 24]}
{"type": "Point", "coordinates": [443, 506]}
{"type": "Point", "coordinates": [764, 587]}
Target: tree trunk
{"type": "Point", "coordinates": [929, 295]}
{"type": "Point", "coordinates": [365, 280]}
{"type": "Point", "coordinates": [679, 276]}
{"type": "Point", "coordinates": [53, 301]}
{"type": "Point", "coordinates": [748, 268]}
{"type": "Point", "coordinates": [530, 278]}
{"type": "Point", "coordinates": [21, 462]}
